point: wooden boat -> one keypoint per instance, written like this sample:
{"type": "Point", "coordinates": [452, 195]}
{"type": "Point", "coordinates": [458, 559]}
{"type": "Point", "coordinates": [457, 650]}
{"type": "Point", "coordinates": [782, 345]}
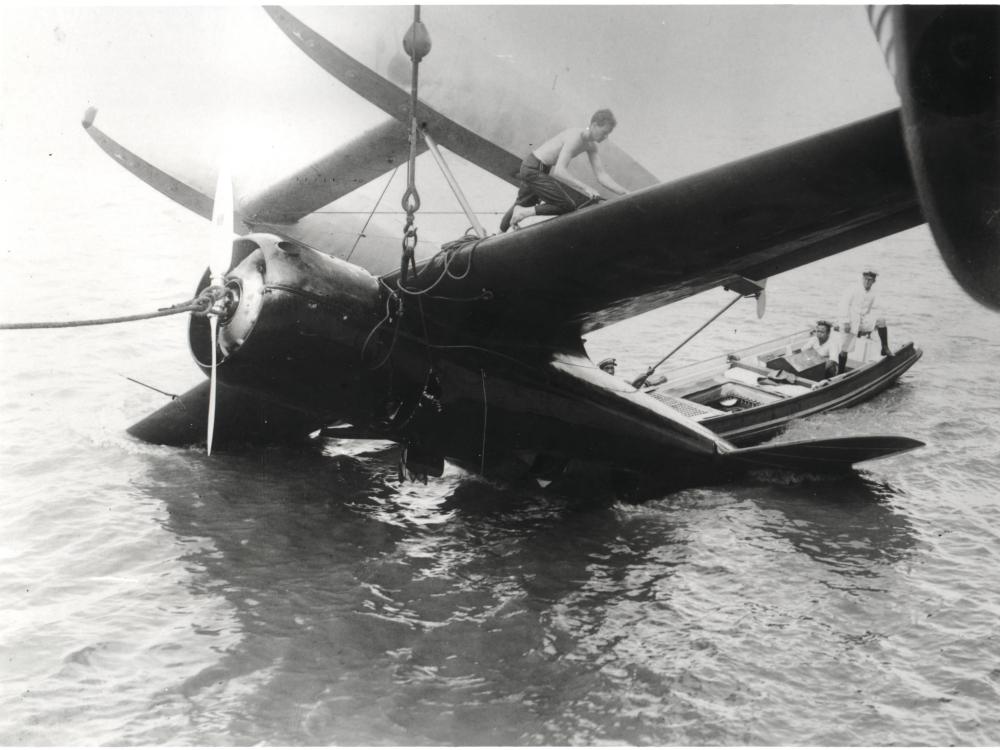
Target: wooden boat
{"type": "Point", "coordinates": [751, 395]}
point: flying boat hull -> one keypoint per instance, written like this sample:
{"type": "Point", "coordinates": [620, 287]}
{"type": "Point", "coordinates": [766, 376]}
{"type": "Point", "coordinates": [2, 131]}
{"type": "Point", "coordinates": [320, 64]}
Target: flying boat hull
{"type": "Point", "coordinates": [474, 354]}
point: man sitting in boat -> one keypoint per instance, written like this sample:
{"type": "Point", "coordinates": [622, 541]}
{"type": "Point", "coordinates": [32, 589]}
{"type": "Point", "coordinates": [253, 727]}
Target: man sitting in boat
{"type": "Point", "coordinates": [855, 313]}
{"type": "Point", "coordinates": [823, 345]}
{"type": "Point", "coordinates": [608, 365]}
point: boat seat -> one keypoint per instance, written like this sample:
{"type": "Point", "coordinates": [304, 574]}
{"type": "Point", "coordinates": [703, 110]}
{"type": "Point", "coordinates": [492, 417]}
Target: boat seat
{"type": "Point", "coordinates": [789, 390]}
{"type": "Point", "coordinates": [750, 375]}
{"type": "Point", "coordinates": [749, 393]}
{"type": "Point", "coordinates": [739, 374]}
{"type": "Point", "coordinates": [749, 380]}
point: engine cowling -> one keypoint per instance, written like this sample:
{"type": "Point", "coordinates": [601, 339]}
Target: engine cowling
{"type": "Point", "coordinates": [296, 328]}
{"type": "Point", "coordinates": [945, 62]}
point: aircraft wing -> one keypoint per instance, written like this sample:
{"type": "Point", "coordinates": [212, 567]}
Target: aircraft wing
{"type": "Point", "coordinates": [749, 219]}
{"type": "Point", "coordinates": [752, 218]}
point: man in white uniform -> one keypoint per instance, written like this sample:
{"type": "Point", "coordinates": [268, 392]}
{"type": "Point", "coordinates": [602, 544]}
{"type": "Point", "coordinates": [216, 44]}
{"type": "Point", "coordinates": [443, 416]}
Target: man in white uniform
{"type": "Point", "coordinates": [855, 317]}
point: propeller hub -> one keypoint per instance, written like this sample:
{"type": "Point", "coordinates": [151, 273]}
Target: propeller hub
{"type": "Point", "coordinates": [229, 303]}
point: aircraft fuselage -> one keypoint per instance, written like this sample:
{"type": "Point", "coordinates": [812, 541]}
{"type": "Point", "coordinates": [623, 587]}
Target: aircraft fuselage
{"type": "Point", "coordinates": [323, 337]}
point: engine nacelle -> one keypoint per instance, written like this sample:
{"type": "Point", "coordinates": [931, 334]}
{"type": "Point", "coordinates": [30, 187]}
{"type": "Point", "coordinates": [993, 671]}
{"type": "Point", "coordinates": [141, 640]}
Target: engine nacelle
{"type": "Point", "coordinates": [296, 327]}
{"type": "Point", "coordinates": [945, 62]}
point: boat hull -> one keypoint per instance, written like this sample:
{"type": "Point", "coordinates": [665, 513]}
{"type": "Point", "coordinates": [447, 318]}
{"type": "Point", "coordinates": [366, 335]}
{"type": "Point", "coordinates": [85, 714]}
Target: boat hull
{"type": "Point", "coordinates": [769, 397]}
{"type": "Point", "coordinates": [757, 424]}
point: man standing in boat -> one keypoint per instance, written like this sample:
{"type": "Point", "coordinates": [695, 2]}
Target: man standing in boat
{"type": "Point", "coordinates": [544, 173]}
{"type": "Point", "coordinates": [855, 317]}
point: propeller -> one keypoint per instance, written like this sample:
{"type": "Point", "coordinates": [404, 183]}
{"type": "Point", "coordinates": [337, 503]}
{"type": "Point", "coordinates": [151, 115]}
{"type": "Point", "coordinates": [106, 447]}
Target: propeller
{"type": "Point", "coordinates": [219, 256]}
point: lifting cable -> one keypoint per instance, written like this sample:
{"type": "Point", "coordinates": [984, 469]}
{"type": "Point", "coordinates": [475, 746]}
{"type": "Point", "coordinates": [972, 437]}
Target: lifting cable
{"type": "Point", "coordinates": [416, 44]}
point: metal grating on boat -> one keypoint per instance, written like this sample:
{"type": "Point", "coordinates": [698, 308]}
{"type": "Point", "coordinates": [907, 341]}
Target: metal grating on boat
{"type": "Point", "coordinates": [689, 409]}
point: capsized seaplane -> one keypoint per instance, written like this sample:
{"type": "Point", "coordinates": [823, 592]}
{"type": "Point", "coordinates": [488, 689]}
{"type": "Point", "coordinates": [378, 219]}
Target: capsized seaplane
{"type": "Point", "coordinates": [472, 351]}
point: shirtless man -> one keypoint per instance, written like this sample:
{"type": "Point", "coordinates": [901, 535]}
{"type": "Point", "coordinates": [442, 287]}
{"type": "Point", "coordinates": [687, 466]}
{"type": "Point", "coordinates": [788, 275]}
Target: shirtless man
{"type": "Point", "coordinates": [545, 172]}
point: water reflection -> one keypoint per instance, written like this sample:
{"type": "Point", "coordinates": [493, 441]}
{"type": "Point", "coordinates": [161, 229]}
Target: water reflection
{"type": "Point", "coordinates": [364, 611]}
{"type": "Point", "coordinates": [369, 612]}
{"type": "Point", "coordinates": [849, 524]}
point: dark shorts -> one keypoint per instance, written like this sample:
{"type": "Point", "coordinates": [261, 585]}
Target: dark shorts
{"type": "Point", "coordinates": [539, 189]}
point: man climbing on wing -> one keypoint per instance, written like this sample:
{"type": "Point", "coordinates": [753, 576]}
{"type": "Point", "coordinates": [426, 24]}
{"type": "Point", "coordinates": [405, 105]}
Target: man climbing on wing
{"type": "Point", "coordinates": [855, 312]}
{"type": "Point", "coordinates": [545, 172]}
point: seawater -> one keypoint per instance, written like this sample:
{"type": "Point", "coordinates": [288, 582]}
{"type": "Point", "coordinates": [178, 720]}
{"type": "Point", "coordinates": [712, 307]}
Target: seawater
{"type": "Point", "coordinates": [154, 595]}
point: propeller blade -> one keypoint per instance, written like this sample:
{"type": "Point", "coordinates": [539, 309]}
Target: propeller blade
{"type": "Point", "coordinates": [762, 298]}
{"type": "Point", "coordinates": [219, 257]}
{"type": "Point", "coordinates": [214, 327]}
{"type": "Point", "coordinates": [221, 250]}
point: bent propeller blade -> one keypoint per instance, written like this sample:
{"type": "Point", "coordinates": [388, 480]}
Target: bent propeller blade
{"type": "Point", "coordinates": [220, 256]}
{"type": "Point", "coordinates": [214, 327]}
{"type": "Point", "coordinates": [221, 250]}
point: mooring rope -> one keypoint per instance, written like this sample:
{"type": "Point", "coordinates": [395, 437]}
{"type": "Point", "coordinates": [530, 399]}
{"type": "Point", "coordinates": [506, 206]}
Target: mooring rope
{"type": "Point", "coordinates": [200, 305]}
